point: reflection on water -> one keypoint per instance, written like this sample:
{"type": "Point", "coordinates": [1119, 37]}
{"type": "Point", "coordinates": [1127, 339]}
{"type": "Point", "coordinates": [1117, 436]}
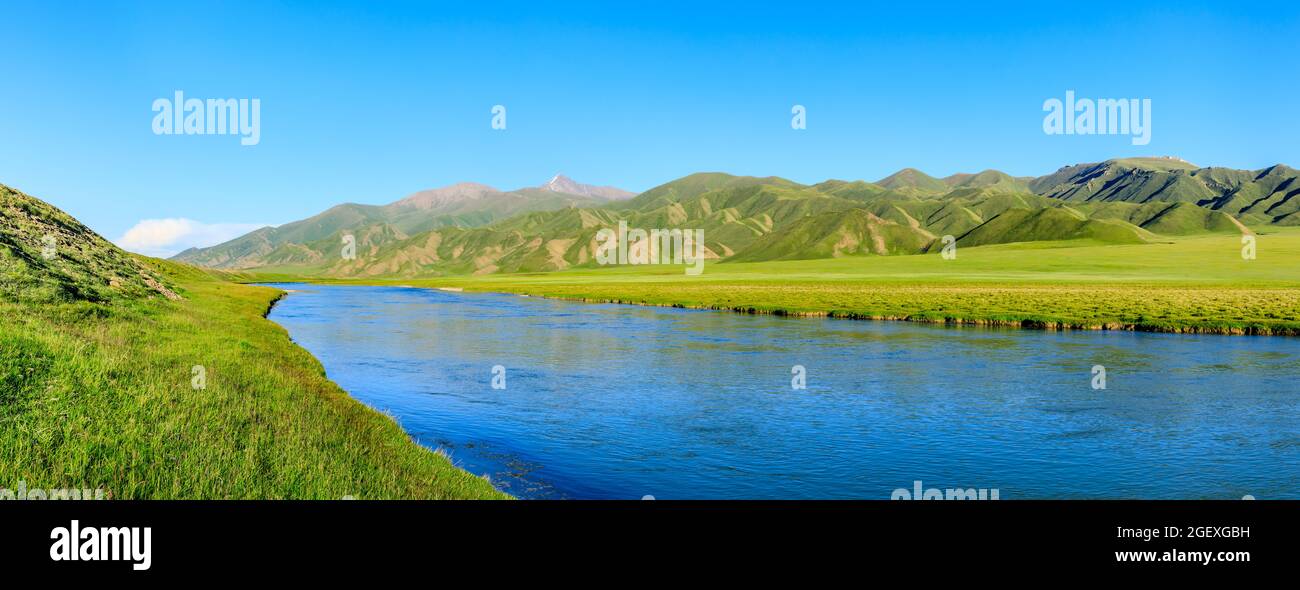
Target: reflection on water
{"type": "Point", "coordinates": [610, 401]}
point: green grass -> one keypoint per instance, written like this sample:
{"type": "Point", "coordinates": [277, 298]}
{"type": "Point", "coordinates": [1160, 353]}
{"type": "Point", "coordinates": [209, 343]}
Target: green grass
{"type": "Point", "coordinates": [99, 395]}
{"type": "Point", "coordinates": [1193, 284]}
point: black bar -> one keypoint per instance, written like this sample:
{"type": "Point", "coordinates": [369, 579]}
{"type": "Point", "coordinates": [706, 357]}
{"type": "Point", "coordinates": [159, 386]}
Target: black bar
{"type": "Point", "coordinates": [212, 540]}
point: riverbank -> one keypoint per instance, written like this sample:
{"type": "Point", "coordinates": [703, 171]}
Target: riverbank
{"type": "Point", "coordinates": [1193, 285]}
{"type": "Point", "coordinates": [200, 398]}
{"type": "Point", "coordinates": [620, 402]}
{"type": "Point", "coordinates": [1004, 320]}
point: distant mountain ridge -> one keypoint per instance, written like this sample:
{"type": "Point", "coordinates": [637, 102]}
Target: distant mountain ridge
{"type": "Point", "coordinates": [460, 192]}
{"type": "Point", "coordinates": [1265, 196]}
{"type": "Point", "coordinates": [464, 204]}
{"type": "Point", "coordinates": [472, 228]}
{"type": "Point", "coordinates": [563, 184]}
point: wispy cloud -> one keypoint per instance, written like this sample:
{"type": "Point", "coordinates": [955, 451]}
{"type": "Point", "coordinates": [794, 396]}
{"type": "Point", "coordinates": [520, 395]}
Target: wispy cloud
{"type": "Point", "coordinates": [166, 237]}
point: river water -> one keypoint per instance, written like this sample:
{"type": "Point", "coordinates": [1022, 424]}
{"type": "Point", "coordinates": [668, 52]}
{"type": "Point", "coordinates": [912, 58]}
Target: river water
{"type": "Point", "coordinates": [616, 401]}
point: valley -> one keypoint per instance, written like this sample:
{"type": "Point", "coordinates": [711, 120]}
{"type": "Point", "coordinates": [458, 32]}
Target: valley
{"type": "Point", "coordinates": [1145, 244]}
{"type": "Point", "coordinates": [163, 369]}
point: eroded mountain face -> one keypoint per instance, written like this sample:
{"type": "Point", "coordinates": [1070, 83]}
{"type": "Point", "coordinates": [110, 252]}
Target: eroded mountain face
{"type": "Point", "coordinates": [473, 228]}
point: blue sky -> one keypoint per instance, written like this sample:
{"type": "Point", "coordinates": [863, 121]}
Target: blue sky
{"type": "Point", "coordinates": [368, 104]}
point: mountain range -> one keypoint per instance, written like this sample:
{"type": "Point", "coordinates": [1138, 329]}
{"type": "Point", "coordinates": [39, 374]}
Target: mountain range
{"type": "Point", "coordinates": [464, 204]}
{"type": "Point", "coordinates": [473, 228]}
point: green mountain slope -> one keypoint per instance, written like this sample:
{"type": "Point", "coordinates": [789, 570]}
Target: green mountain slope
{"type": "Point", "coordinates": [836, 234]}
{"type": "Point", "coordinates": [1134, 180]}
{"type": "Point", "coordinates": [913, 181]}
{"type": "Point", "coordinates": [1164, 218]}
{"type": "Point", "coordinates": [1057, 223]}
{"type": "Point", "coordinates": [694, 185]}
{"type": "Point", "coordinates": [771, 218]}
{"type": "Point", "coordinates": [1267, 196]}
{"type": "Point", "coordinates": [47, 256]}
{"type": "Point", "coordinates": [458, 205]}
{"type": "Point", "coordinates": [1254, 197]}
{"type": "Point", "coordinates": [854, 191]}
{"type": "Point", "coordinates": [988, 179]}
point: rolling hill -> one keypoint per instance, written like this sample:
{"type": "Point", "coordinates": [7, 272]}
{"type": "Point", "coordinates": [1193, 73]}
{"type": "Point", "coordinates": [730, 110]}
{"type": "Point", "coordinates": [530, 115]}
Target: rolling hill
{"type": "Point", "coordinates": [987, 179]}
{"type": "Point", "coordinates": [913, 181]}
{"type": "Point", "coordinates": [1052, 223]}
{"type": "Point", "coordinates": [1259, 196]}
{"type": "Point", "coordinates": [47, 256]}
{"type": "Point", "coordinates": [835, 234]}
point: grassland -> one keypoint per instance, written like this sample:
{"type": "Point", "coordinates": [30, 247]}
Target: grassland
{"type": "Point", "coordinates": [1192, 284]}
{"type": "Point", "coordinates": [99, 394]}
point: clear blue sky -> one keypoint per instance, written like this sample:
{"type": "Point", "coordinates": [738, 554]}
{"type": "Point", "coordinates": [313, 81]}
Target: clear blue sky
{"type": "Point", "coordinates": [367, 104]}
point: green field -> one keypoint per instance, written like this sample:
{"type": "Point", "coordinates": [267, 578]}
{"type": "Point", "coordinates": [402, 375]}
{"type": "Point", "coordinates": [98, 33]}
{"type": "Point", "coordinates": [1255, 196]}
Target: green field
{"type": "Point", "coordinates": [100, 395]}
{"type": "Point", "coordinates": [1190, 284]}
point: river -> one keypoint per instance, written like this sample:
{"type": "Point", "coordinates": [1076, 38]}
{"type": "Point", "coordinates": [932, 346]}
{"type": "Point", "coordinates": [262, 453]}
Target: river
{"type": "Point", "coordinates": [618, 401]}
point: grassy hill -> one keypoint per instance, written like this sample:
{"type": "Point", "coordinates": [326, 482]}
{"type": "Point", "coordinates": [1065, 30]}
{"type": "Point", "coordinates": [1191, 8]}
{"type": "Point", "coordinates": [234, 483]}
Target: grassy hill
{"type": "Point", "coordinates": [1254, 197]}
{"type": "Point", "coordinates": [695, 185]}
{"type": "Point", "coordinates": [1174, 219]}
{"type": "Point", "coordinates": [914, 182]}
{"type": "Point", "coordinates": [835, 234]}
{"type": "Point", "coordinates": [97, 391]}
{"type": "Point", "coordinates": [988, 179]}
{"type": "Point", "coordinates": [46, 256]}
{"type": "Point", "coordinates": [1055, 223]}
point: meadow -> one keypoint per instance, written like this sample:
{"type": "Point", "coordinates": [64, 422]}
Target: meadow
{"type": "Point", "coordinates": [103, 396]}
{"type": "Point", "coordinates": [1192, 284]}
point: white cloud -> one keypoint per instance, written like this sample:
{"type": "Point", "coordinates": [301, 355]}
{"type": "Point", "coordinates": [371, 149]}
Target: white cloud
{"type": "Point", "coordinates": [166, 237]}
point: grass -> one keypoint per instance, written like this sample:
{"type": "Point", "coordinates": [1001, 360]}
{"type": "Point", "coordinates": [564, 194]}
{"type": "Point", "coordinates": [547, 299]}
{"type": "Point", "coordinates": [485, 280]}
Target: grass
{"type": "Point", "coordinates": [99, 395]}
{"type": "Point", "coordinates": [1192, 284]}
